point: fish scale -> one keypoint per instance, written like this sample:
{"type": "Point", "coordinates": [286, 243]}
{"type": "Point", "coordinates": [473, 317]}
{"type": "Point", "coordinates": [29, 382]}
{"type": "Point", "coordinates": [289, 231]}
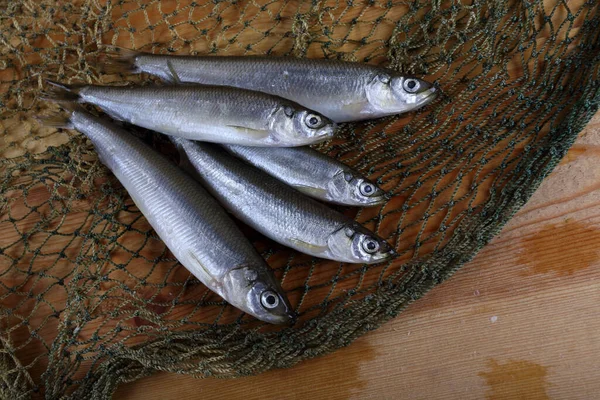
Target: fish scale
{"type": "Point", "coordinates": [253, 190]}
{"type": "Point", "coordinates": [342, 91]}
{"type": "Point", "coordinates": [209, 113]}
{"type": "Point", "coordinates": [277, 210]}
{"type": "Point", "coordinates": [190, 222]}
{"type": "Point", "coordinates": [346, 80]}
{"type": "Point", "coordinates": [171, 102]}
{"type": "Point", "coordinates": [313, 173]}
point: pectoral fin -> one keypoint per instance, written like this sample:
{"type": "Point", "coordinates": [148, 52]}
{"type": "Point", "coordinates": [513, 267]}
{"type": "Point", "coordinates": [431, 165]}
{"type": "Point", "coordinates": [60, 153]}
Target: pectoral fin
{"type": "Point", "coordinates": [308, 248]}
{"type": "Point", "coordinates": [171, 76]}
{"type": "Point", "coordinates": [312, 191]}
{"type": "Point", "coordinates": [354, 108]}
{"type": "Point", "coordinates": [202, 273]}
{"type": "Point", "coordinates": [174, 76]}
{"type": "Point", "coordinates": [253, 133]}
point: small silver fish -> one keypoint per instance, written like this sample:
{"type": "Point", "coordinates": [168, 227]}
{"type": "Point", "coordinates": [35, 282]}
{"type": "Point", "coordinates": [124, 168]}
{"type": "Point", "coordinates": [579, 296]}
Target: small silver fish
{"type": "Point", "coordinates": [277, 210]}
{"type": "Point", "coordinates": [314, 174]}
{"type": "Point", "coordinates": [189, 221]}
{"type": "Point", "coordinates": [206, 113]}
{"type": "Point", "coordinates": [341, 91]}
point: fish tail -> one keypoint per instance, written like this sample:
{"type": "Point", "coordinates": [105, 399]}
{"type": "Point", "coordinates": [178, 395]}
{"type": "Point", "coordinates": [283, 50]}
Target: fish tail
{"type": "Point", "coordinates": [120, 61]}
{"type": "Point", "coordinates": [57, 120]}
{"type": "Point", "coordinates": [61, 93]}
{"type": "Point", "coordinates": [60, 120]}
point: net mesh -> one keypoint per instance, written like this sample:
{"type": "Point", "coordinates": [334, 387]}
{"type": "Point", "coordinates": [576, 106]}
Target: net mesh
{"type": "Point", "coordinates": [91, 298]}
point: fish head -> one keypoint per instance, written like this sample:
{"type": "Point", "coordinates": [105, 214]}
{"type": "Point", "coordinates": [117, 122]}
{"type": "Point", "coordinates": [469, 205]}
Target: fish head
{"type": "Point", "coordinates": [354, 243]}
{"type": "Point", "coordinates": [255, 290]}
{"type": "Point", "coordinates": [296, 126]}
{"type": "Point", "coordinates": [346, 187]}
{"type": "Point", "coordinates": [394, 94]}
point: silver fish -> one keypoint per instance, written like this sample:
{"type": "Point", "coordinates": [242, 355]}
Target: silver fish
{"type": "Point", "coordinates": [189, 221]}
{"type": "Point", "coordinates": [207, 113]}
{"type": "Point", "coordinates": [342, 91]}
{"type": "Point", "coordinates": [314, 174]}
{"type": "Point", "coordinates": [278, 211]}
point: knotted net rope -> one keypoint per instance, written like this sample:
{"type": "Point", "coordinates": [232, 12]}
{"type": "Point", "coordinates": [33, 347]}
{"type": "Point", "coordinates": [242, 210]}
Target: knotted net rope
{"type": "Point", "coordinates": [91, 298]}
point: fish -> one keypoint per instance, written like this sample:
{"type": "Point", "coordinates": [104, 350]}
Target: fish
{"type": "Point", "coordinates": [195, 228]}
{"type": "Point", "coordinates": [313, 174]}
{"type": "Point", "coordinates": [340, 90]}
{"type": "Point", "coordinates": [277, 210]}
{"type": "Point", "coordinates": [206, 113]}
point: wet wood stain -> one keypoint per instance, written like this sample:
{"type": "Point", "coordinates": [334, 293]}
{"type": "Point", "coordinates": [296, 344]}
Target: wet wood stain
{"type": "Point", "coordinates": [515, 379]}
{"type": "Point", "coordinates": [551, 250]}
{"type": "Point", "coordinates": [578, 150]}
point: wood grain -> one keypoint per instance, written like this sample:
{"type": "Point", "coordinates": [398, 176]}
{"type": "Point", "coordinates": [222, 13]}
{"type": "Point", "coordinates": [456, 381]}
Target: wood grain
{"type": "Point", "coordinates": [519, 322]}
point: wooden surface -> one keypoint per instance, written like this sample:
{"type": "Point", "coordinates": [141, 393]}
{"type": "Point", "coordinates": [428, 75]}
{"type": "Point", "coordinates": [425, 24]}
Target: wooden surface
{"type": "Point", "coordinates": [521, 321]}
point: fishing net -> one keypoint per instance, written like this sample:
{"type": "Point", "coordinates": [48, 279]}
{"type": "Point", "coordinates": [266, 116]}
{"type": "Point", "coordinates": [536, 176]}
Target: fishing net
{"type": "Point", "coordinates": [91, 298]}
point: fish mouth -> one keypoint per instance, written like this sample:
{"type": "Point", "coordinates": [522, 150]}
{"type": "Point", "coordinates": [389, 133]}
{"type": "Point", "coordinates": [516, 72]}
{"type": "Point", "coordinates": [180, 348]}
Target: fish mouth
{"type": "Point", "coordinates": [375, 200]}
{"type": "Point", "coordinates": [383, 257]}
{"type": "Point", "coordinates": [288, 318]}
{"type": "Point", "coordinates": [324, 134]}
{"type": "Point", "coordinates": [329, 132]}
{"type": "Point", "coordinates": [292, 317]}
{"type": "Point", "coordinates": [428, 96]}
{"type": "Point", "coordinates": [379, 197]}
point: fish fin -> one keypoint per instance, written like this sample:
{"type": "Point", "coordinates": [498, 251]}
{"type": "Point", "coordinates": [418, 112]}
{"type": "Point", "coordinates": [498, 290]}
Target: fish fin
{"type": "Point", "coordinates": [202, 273]}
{"type": "Point", "coordinates": [311, 191]}
{"type": "Point", "coordinates": [59, 120]}
{"type": "Point", "coordinates": [354, 108]}
{"type": "Point", "coordinates": [174, 76]}
{"type": "Point", "coordinates": [56, 121]}
{"type": "Point", "coordinates": [308, 248]}
{"type": "Point", "coordinates": [121, 61]}
{"type": "Point", "coordinates": [61, 93]}
{"type": "Point", "coordinates": [254, 133]}
{"type": "Point", "coordinates": [171, 76]}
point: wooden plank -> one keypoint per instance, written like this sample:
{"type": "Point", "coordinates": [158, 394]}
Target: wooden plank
{"type": "Point", "coordinates": [520, 321]}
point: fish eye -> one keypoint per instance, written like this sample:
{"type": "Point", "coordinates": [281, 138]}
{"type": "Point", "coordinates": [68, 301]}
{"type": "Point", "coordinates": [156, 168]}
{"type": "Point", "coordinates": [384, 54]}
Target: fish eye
{"type": "Point", "coordinates": [313, 121]}
{"type": "Point", "coordinates": [269, 299]}
{"type": "Point", "coordinates": [288, 111]}
{"type": "Point", "coordinates": [411, 85]}
{"type": "Point", "coordinates": [370, 245]}
{"type": "Point", "coordinates": [367, 188]}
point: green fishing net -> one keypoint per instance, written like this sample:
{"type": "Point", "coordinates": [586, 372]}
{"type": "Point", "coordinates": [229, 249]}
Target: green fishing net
{"type": "Point", "coordinates": [91, 298]}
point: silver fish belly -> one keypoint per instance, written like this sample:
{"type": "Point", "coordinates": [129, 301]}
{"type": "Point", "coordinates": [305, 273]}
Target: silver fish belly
{"type": "Point", "coordinates": [314, 174]}
{"type": "Point", "coordinates": [277, 210]}
{"type": "Point", "coordinates": [342, 91]}
{"type": "Point", "coordinates": [207, 113]}
{"type": "Point", "coordinates": [190, 222]}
